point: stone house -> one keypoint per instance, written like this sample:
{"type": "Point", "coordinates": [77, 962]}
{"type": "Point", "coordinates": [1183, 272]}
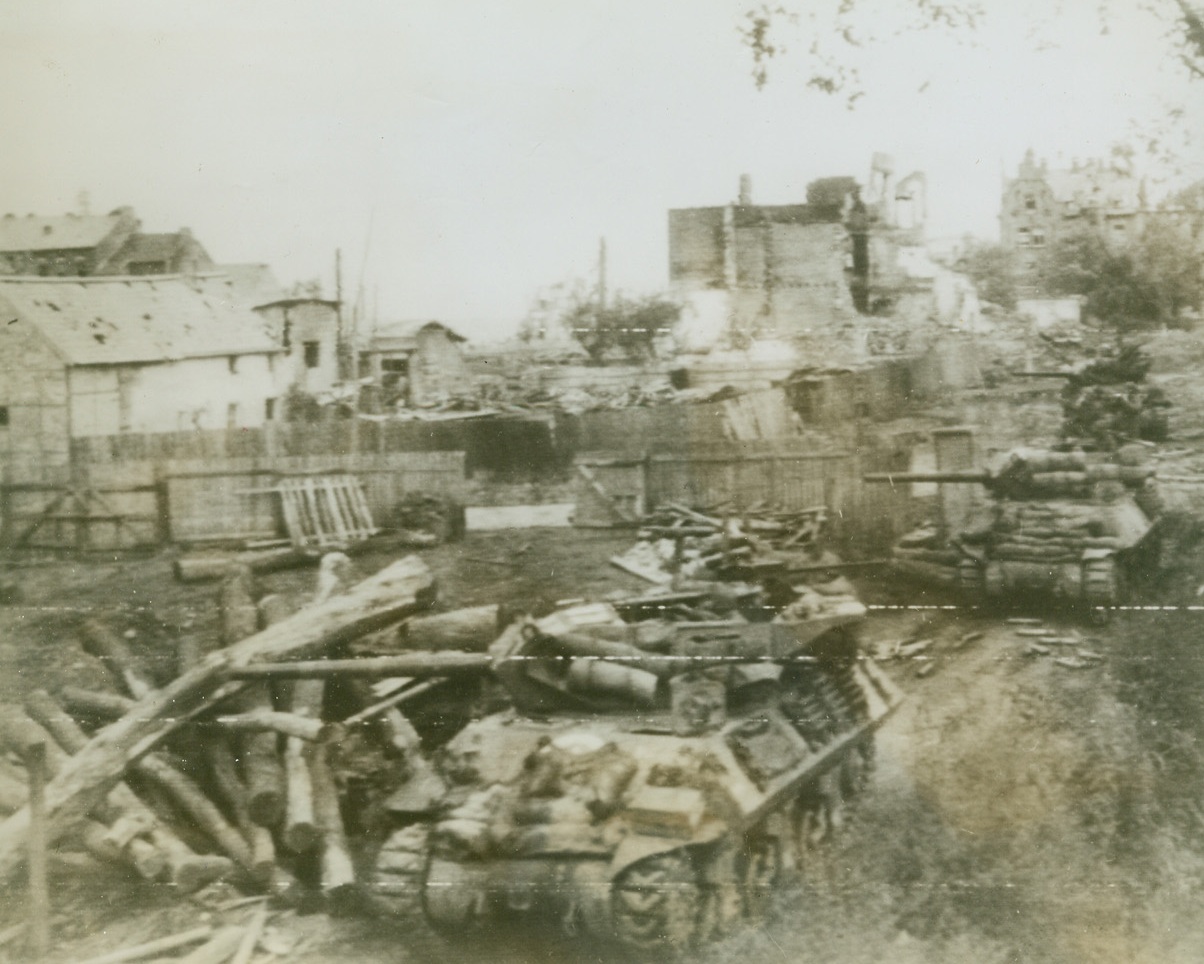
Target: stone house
{"type": "Point", "coordinates": [102, 356]}
{"type": "Point", "coordinates": [416, 364]}
{"type": "Point", "coordinates": [307, 332]}
{"type": "Point", "coordinates": [82, 245]}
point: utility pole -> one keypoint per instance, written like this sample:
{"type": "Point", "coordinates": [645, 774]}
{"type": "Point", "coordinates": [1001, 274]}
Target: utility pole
{"type": "Point", "coordinates": [340, 332]}
{"type": "Point", "coordinates": [602, 274]}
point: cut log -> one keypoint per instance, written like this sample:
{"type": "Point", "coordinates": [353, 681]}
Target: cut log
{"type": "Point", "coordinates": [94, 704]}
{"type": "Point", "coordinates": [301, 832]}
{"type": "Point", "coordinates": [262, 766]}
{"type": "Point", "coordinates": [409, 664]}
{"type": "Point", "coordinates": [110, 648]}
{"type": "Point", "coordinates": [209, 568]}
{"type": "Point", "coordinates": [300, 827]}
{"type": "Point", "coordinates": [288, 724]}
{"type": "Point", "coordinates": [186, 869]}
{"type": "Point", "coordinates": [468, 630]}
{"type": "Point", "coordinates": [192, 800]}
{"type": "Point", "coordinates": [397, 591]}
{"type": "Point", "coordinates": [338, 872]}
{"type": "Point", "coordinates": [234, 794]}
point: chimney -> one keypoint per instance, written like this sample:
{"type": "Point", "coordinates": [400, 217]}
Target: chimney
{"type": "Point", "coordinates": [746, 190]}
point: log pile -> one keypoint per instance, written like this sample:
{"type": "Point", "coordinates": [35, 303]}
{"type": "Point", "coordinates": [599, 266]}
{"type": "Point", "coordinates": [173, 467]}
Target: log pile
{"type": "Point", "coordinates": [211, 777]}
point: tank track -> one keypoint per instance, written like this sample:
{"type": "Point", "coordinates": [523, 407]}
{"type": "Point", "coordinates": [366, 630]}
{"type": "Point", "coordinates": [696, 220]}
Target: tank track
{"type": "Point", "coordinates": [395, 888]}
{"type": "Point", "coordinates": [670, 902]}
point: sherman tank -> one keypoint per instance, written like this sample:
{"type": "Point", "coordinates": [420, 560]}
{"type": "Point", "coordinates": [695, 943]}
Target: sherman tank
{"type": "Point", "coordinates": [1063, 524]}
{"type": "Point", "coordinates": [643, 793]}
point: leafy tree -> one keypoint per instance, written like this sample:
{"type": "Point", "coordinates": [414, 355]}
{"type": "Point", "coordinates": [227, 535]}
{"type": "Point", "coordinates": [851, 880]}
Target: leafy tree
{"type": "Point", "coordinates": [630, 326]}
{"type": "Point", "coordinates": [994, 271]}
{"type": "Point", "coordinates": [1172, 263]}
{"type": "Point", "coordinates": [840, 34]}
{"type": "Point", "coordinates": [1151, 282]}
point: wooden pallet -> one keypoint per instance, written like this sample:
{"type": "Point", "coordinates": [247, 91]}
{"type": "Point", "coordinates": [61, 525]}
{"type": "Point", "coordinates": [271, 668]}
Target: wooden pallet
{"type": "Point", "coordinates": [325, 511]}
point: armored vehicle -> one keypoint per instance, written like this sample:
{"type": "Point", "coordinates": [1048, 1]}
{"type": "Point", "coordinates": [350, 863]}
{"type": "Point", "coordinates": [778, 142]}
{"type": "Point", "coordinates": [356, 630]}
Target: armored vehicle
{"type": "Point", "coordinates": [1058, 523]}
{"type": "Point", "coordinates": [646, 795]}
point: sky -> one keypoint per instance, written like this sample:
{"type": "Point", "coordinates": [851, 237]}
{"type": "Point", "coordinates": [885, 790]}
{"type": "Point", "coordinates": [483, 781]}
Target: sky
{"type": "Point", "coordinates": [465, 154]}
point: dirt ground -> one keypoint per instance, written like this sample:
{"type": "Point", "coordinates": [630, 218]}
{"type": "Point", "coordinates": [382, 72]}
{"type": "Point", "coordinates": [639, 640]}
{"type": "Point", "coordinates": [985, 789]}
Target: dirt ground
{"type": "Point", "coordinates": [1021, 811]}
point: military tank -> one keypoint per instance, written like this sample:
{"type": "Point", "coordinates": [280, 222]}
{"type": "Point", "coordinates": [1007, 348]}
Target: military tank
{"type": "Point", "coordinates": [644, 795]}
{"type": "Point", "coordinates": [1063, 524]}
{"type": "Point", "coordinates": [1107, 402]}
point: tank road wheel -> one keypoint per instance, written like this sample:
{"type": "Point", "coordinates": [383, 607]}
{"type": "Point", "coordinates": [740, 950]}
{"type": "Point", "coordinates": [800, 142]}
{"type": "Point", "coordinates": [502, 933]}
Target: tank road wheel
{"type": "Point", "coordinates": [1100, 589]}
{"type": "Point", "coordinates": [855, 770]}
{"type": "Point", "coordinates": [761, 868]}
{"type": "Point", "coordinates": [397, 876]}
{"type": "Point", "coordinates": [656, 904]}
{"type": "Point", "coordinates": [969, 578]}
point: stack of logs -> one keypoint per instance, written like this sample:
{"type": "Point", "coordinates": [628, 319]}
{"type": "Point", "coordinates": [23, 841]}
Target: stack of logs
{"type": "Point", "coordinates": [225, 773]}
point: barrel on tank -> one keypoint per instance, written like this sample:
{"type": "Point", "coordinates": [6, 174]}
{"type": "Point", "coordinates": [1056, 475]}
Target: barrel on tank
{"type": "Point", "coordinates": [1058, 524]}
{"type": "Point", "coordinates": [649, 798]}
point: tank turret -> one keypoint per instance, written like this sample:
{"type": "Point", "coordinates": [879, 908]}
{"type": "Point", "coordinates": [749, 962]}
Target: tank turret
{"type": "Point", "coordinates": [644, 788]}
{"type": "Point", "coordinates": [1056, 523]}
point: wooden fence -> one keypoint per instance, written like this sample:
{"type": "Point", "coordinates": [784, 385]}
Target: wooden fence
{"type": "Point", "coordinates": [138, 503]}
{"type": "Point", "coordinates": [862, 517]}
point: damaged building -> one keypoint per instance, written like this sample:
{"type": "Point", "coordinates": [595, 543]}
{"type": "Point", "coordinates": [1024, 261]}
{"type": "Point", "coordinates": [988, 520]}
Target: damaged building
{"type": "Point", "coordinates": [87, 357]}
{"type": "Point", "coordinates": [1042, 204]}
{"type": "Point", "coordinates": [82, 244]}
{"type": "Point", "coordinates": [811, 273]}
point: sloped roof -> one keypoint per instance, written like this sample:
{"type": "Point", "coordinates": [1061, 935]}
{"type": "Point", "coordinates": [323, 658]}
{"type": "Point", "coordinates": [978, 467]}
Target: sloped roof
{"type": "Point", "coordinates": [1096, 187]}
{"type": "Point", "coordinates": [116, 320]}
{"type": "Point", "coordinates": [250, 284]}
{"type": "Point", "coordinates": [66, 231]}
{"type": "Point", "coordinates": [152, 247]}
{"type": "Point", "coordinates": [403, 336]}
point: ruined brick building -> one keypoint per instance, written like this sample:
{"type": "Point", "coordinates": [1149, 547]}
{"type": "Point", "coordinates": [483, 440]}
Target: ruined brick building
{"type": "Point", "coordinates": [798, 271]}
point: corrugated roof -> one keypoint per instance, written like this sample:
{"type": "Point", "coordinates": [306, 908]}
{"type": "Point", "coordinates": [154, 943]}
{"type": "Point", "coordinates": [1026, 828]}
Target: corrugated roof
{"type": "Point", "coordinates": [32, 233]}
{"type": "Point", "coordinates": [108, 320]}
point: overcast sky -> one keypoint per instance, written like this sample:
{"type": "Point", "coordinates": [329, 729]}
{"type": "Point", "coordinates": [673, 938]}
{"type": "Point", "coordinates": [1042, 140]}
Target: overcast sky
{"type": "Point", "coordinates": [465, 153]}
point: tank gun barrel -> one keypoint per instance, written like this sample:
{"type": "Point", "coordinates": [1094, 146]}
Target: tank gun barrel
{"type": "Point", "coordinates": [1044, 374]}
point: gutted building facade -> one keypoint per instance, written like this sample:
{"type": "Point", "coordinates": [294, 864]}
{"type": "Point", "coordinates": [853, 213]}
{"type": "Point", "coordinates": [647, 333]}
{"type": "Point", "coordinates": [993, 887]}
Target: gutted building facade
{"type": "Point", "coordinates": [800, 271]}
{"type": "Point", "coordinates": [102, 356]}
